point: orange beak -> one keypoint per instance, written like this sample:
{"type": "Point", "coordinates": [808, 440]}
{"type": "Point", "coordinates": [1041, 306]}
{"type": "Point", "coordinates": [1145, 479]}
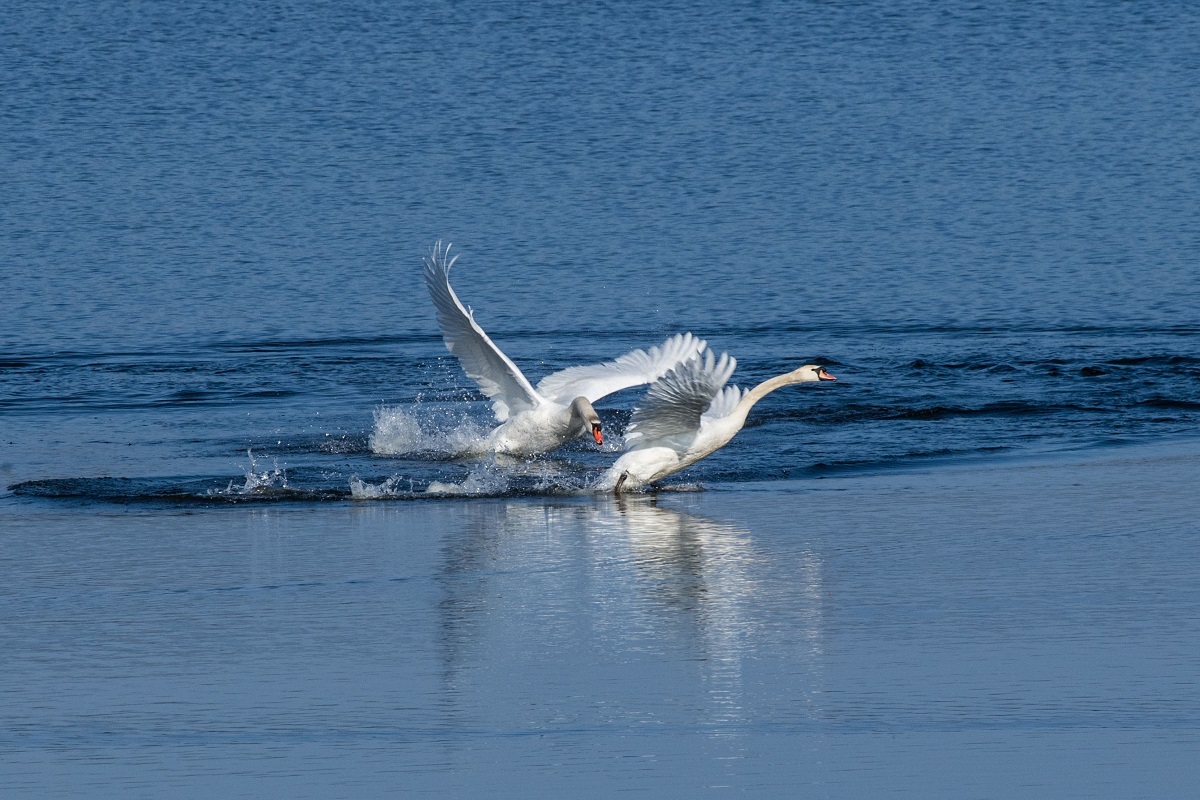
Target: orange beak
{"type": "Point", "coordinates": [825, 376]}
{"type": "Point", "coordinates": [597, 435]}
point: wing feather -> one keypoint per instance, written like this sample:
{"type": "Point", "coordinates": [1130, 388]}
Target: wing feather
{"type": "Point", "coordinates": [497, 376]}
{"type": "Point", "coordinates": [669, 415]}
{"type": "Point", "coordinates": [724, 403]}
{"type": "Point", "coordinates": [636, 367]}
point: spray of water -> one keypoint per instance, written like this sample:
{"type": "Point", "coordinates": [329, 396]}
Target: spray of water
{"type": "Point", "coordinates": [406, 431]}
{"type": "Point", "coordinates": [485, 479]}
{"type": "Point", "coordinates": [390, 488]}
{"type": "Point", "coordinates": [445, 432]}
{"type": "Point", "coordinates": [273, 479]}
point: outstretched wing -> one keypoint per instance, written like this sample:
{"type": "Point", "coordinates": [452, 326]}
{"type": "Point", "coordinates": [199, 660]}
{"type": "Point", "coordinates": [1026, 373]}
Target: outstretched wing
{"type": "Point", "coordinates": [636, 367]}
{"type": "Point", "coordinates": [725, 402]}
{"type": "Point", "coordinates": [497, 376]}
{"type": "Point", "coordinates": [669, 416]}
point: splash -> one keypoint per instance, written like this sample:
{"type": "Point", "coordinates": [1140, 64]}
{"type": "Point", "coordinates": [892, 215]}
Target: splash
{"type": "Point", "coordinates": [400, 431]}
{"type": "Point", "coordinates": [269, 481]}
{"type": "Point", "coordinates": [390, 488]}
{"type": "Point", "coordinates": [484, 481]}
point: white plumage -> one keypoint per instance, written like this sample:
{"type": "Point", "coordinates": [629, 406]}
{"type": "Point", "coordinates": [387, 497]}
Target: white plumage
{"type": "Point", "coordinates": [687, 414]}
{"type": "Point", "coordinates": [560, 408]}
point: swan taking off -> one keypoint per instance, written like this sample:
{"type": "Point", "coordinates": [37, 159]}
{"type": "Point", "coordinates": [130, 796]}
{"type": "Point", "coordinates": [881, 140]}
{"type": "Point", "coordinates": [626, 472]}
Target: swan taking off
{"type": "Point", "coordinates": [560, 408]}
{"type": "Point", "coordinates": [688, 414]}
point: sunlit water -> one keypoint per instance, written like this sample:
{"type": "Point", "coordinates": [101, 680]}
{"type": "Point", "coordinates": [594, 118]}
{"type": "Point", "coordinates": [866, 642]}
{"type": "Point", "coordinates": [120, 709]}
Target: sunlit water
{"type": "Point", "coordinates": [241, 554]}
{"type": "Point", "coordinates": [956, 632]}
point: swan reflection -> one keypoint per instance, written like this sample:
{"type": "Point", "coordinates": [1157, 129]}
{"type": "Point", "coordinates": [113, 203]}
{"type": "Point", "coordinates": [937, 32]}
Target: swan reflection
{"type": "Point", "coordinates": [691, 584]}
{"type": "Point", "coordinates": [620, 592]}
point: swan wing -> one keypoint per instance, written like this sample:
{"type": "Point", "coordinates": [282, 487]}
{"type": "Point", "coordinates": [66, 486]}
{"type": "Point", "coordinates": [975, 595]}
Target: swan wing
{"type": "Point", "coordinates": [636, 367]}
{"type": "Point", "coordinates": [670, 415]}
{"type": "Point", "coordinates": [724, 403]}
{"type": "Point", "coordinates": [497, 376]}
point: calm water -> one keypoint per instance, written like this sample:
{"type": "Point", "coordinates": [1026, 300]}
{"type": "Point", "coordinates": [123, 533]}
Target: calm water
{"type": "Point", "coordinates": [211, 224]}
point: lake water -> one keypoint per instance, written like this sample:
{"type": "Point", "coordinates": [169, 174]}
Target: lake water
{"type": "Point", "coordinates": [964, 569]}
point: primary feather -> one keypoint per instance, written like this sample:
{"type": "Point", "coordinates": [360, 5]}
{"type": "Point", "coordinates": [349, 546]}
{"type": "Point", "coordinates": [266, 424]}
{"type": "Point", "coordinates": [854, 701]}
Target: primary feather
{"type": "Point", "coordinates": [636, 367]}
{"type": "Point", "coordinates": [672, 409]}
{"type": "Point", "coordinates": [497, 376]}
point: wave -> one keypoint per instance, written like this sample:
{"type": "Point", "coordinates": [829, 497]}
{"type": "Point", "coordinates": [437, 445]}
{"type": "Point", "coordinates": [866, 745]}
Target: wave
{"type": "Point", "coordinates": [985, 363]}
{"type": "Point", "coordinates": [835, 414]}
{"type": "Point", "coordinates": [208, 492]}
{"type": "Point", "coordinates": [1004, 408]}
{"type": "Point", "coordinates": [976, 366]}
{"type": "Point", "coordinates": [203, 492]}
{"type": "Point", "coordinates": [94, 401]}
{"type": "Point", "coordinates": [1170, 402]}
{"type": "Point", "coordinates": [481, 482]}
{"type": "Point", "coordinates": [907, 460]}
{"type": "Point", "coordinates": [131, 491]}
{"type": "Point", "coordinates": [267, 480]}
{"type": "Point", "coordinates": [258, 483]}
{"type": "Point", "coordinates": [1155, 360]}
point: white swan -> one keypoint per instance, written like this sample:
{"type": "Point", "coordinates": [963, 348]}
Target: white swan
{"type": "Point", "coordinates": [560, 408]}
{"type": "Point", "coordinates": [688, 414]}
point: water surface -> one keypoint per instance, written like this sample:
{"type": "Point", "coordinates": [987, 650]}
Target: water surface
{"type": "Point", "coordinates": [946, 633]}
{"type": "Point", "coordinates": [962, 570]}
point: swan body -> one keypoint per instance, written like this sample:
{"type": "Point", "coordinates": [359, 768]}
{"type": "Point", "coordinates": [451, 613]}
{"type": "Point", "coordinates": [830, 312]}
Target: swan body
{"type": "Point", "coordinates": [545, 427]}
{"type": "Point", "coordinates": [536, 420]}
{"type": "Point", "coordinates": [690, 413]}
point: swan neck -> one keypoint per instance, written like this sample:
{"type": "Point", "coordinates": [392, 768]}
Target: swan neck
{"type": "Point", "coordinates": [583, 412]}
{"type": "Point", "coordinates": [759, 392]}
{"type": "Point", "coordinates": [580, 408]}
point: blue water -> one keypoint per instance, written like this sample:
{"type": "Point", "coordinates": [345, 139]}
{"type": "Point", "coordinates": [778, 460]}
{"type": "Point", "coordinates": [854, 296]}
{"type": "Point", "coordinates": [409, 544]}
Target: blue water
{"type": "Point", "coordinates": [212, 218]}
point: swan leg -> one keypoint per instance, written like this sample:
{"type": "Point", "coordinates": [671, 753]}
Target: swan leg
{"type": "Point", "coordinates": [620, 482]}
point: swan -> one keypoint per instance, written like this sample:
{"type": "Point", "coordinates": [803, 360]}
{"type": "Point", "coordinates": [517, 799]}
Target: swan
{"type": "Point", "coordinates": [533, 420]}
{"type": "Point", "coordinates": [690, 413]}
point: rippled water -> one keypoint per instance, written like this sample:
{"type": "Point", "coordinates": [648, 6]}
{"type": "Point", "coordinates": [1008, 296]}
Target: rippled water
{"type": "Point", "coordinates": [214, 216]}
{"type": "Point", "coordinates": [211, 225]}
{"type": "Point", "coordinates": [180, 425]}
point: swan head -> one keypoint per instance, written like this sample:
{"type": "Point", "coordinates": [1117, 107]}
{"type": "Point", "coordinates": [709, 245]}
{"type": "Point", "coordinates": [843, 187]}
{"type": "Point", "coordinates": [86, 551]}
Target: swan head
{"type": "Point", "coordinates": [589, 420]}
{"type": "Point", "coordinates": [810, 372]}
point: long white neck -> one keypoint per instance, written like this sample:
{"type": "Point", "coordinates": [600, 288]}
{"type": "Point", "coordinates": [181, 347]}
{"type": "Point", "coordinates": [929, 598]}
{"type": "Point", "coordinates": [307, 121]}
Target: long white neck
{"type": "Point", "coordinates": [758, 393]}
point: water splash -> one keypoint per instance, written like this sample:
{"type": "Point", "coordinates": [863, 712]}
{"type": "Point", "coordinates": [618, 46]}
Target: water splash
{"type": "Point", "coordinates": [401, 431]}
{"type": "Point", "coordinates": [390, 488]}
{"type": "Point", "coordinates": [486, 480]}
{"type": "Point", "coordinates": [269, 481]}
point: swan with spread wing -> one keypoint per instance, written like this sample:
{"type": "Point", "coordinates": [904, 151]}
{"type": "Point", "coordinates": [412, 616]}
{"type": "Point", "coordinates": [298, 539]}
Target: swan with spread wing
{"type": "Point", "coordinates": [690, 413]}
{"type": "Point", "coordinates": [536, 420]}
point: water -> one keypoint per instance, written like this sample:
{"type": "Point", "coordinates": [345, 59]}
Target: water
{"type": "Point", "coordinates": [954, 632]}
{"type": "Point", "coordinates": [211, 229]}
